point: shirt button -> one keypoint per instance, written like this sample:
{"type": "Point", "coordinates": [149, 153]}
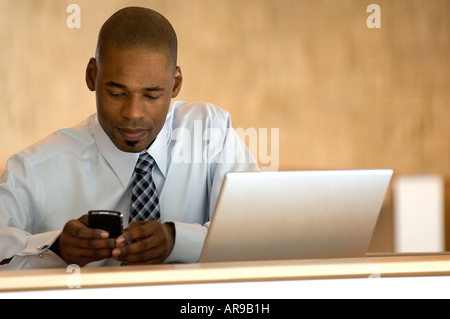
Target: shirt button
{"type": "Point", "coordinates": [38, 247]}
{"type": "Point", "coordinates": [40, 255]}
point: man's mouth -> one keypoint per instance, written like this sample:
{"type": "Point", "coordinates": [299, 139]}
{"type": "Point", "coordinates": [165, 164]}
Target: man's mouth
{"type": "Point", "coordinates": [132, 134]}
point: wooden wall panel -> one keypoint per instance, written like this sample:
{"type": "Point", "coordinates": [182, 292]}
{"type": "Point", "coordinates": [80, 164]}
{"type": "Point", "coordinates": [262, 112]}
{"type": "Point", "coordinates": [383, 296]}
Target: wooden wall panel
{"type": "Point", "coordinates": [342, 95]}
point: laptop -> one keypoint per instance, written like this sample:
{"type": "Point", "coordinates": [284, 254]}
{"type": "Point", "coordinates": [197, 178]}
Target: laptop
{"type": "Point", "coordinates": [295, 215]}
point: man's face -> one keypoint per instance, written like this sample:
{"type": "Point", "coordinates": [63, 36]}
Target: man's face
{"type": "Point", "coordinates": [134, 88]}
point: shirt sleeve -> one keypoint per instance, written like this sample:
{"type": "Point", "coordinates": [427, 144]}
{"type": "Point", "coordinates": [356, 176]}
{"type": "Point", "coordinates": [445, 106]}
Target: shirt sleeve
{"type": "Point", "coordinates": [232, 156]}
{"type": "Point", "coordinates": [19, 196]}
{"type": "Point", "coordinates": [37, 254]}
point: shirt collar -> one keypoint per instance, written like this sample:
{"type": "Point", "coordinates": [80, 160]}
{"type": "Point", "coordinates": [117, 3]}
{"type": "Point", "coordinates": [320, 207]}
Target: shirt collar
{"type": "Point", "coordinates": [123, 163]}
{"type": "Point", "coordinates": [159, 148]}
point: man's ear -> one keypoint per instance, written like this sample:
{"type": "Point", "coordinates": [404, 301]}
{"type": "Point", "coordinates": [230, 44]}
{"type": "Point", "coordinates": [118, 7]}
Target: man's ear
{"type": "Point", "coordinates": [91, 74]}
{"type": "Point", "coordinates": [177, 82]}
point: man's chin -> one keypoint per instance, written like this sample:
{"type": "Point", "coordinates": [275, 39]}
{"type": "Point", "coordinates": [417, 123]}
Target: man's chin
{"type": "Point", "coordinates": [132, 146]}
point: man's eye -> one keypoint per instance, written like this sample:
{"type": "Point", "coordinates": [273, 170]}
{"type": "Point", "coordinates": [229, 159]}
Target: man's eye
{"type": "Point", "coordinates": [116, 94]}
{"type": "Point", "coordinates": [151, 98]}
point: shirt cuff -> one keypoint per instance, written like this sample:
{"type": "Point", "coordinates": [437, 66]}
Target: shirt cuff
{"type": "Point", "coordinates": [189, 241]}
{"type": "Point", "coordinates": [38, 254]}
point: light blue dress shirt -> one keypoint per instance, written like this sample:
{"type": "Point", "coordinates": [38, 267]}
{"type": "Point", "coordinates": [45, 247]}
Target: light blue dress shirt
{"type": "Point", "coordinates": [79, 169]}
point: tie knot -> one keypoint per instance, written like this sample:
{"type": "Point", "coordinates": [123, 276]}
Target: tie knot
{"type": "Point", "coordinates": [144, 164]}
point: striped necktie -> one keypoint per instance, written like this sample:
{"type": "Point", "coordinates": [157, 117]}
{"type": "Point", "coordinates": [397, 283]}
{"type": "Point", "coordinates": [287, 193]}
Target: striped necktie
{"type": "Point", "coordinates": [144, 200]}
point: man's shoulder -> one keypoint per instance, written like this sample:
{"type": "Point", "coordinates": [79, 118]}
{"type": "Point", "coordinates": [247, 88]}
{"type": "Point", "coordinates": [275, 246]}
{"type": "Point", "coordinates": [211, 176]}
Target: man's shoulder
{"type": "Point", "coordinates": [68, 140]}
{"type": "Point", "coordinates": [198, 111]}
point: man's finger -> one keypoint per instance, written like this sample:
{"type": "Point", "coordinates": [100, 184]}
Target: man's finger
{"type": "Point", "coordinates": [94, 244]}
{"type": "Point", "coordinates": [141, 252]}
{"type": "Point", "coordinates": [138, 231]}
{"type": "Point", "coordinates": [92, 254]}
{"type": "Point", "coordinates": [138, 247]}
{"type": "Point", "coordinates": [77, 229]}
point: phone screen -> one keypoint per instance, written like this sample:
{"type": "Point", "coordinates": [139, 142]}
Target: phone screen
{"type": "Point", "coordinates": [110, 221]}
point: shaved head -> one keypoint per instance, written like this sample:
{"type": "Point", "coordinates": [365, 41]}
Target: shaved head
{"type": "Point", "coordinates": [134, 76]}
{"type": "Point", "coordinates": [138, 28]}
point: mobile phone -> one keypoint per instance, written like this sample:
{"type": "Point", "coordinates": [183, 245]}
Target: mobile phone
{"type": "Point", "coordinates": [110, 221]}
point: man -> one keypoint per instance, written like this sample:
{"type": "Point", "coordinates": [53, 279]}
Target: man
{"type": "Point", "coordinates": [98, 164]}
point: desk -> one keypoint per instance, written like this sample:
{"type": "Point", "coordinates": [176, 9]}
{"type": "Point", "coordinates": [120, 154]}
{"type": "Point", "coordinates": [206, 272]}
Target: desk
{"type": "Point", "coordinates": [240, 272]}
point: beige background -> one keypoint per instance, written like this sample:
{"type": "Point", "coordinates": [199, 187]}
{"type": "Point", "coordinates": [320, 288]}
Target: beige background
{"type": "Point", "coordinates": [342, 95]}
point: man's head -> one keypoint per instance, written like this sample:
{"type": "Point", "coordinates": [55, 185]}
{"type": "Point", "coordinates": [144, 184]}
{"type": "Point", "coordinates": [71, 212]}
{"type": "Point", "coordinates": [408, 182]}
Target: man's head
{"type": "Point", "coordinates": [135, 76]}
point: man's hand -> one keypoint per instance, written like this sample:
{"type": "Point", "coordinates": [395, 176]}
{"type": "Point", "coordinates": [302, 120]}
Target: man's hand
{"type": "Point", "coordinates": [80, 245]}
{"type": "Point", "coordinates": [149, 243]}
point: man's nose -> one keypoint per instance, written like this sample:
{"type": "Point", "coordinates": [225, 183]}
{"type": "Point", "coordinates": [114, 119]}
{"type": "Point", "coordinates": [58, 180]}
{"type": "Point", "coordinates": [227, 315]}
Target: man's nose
{"type": "Point", "coordinates": [133, 108]}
